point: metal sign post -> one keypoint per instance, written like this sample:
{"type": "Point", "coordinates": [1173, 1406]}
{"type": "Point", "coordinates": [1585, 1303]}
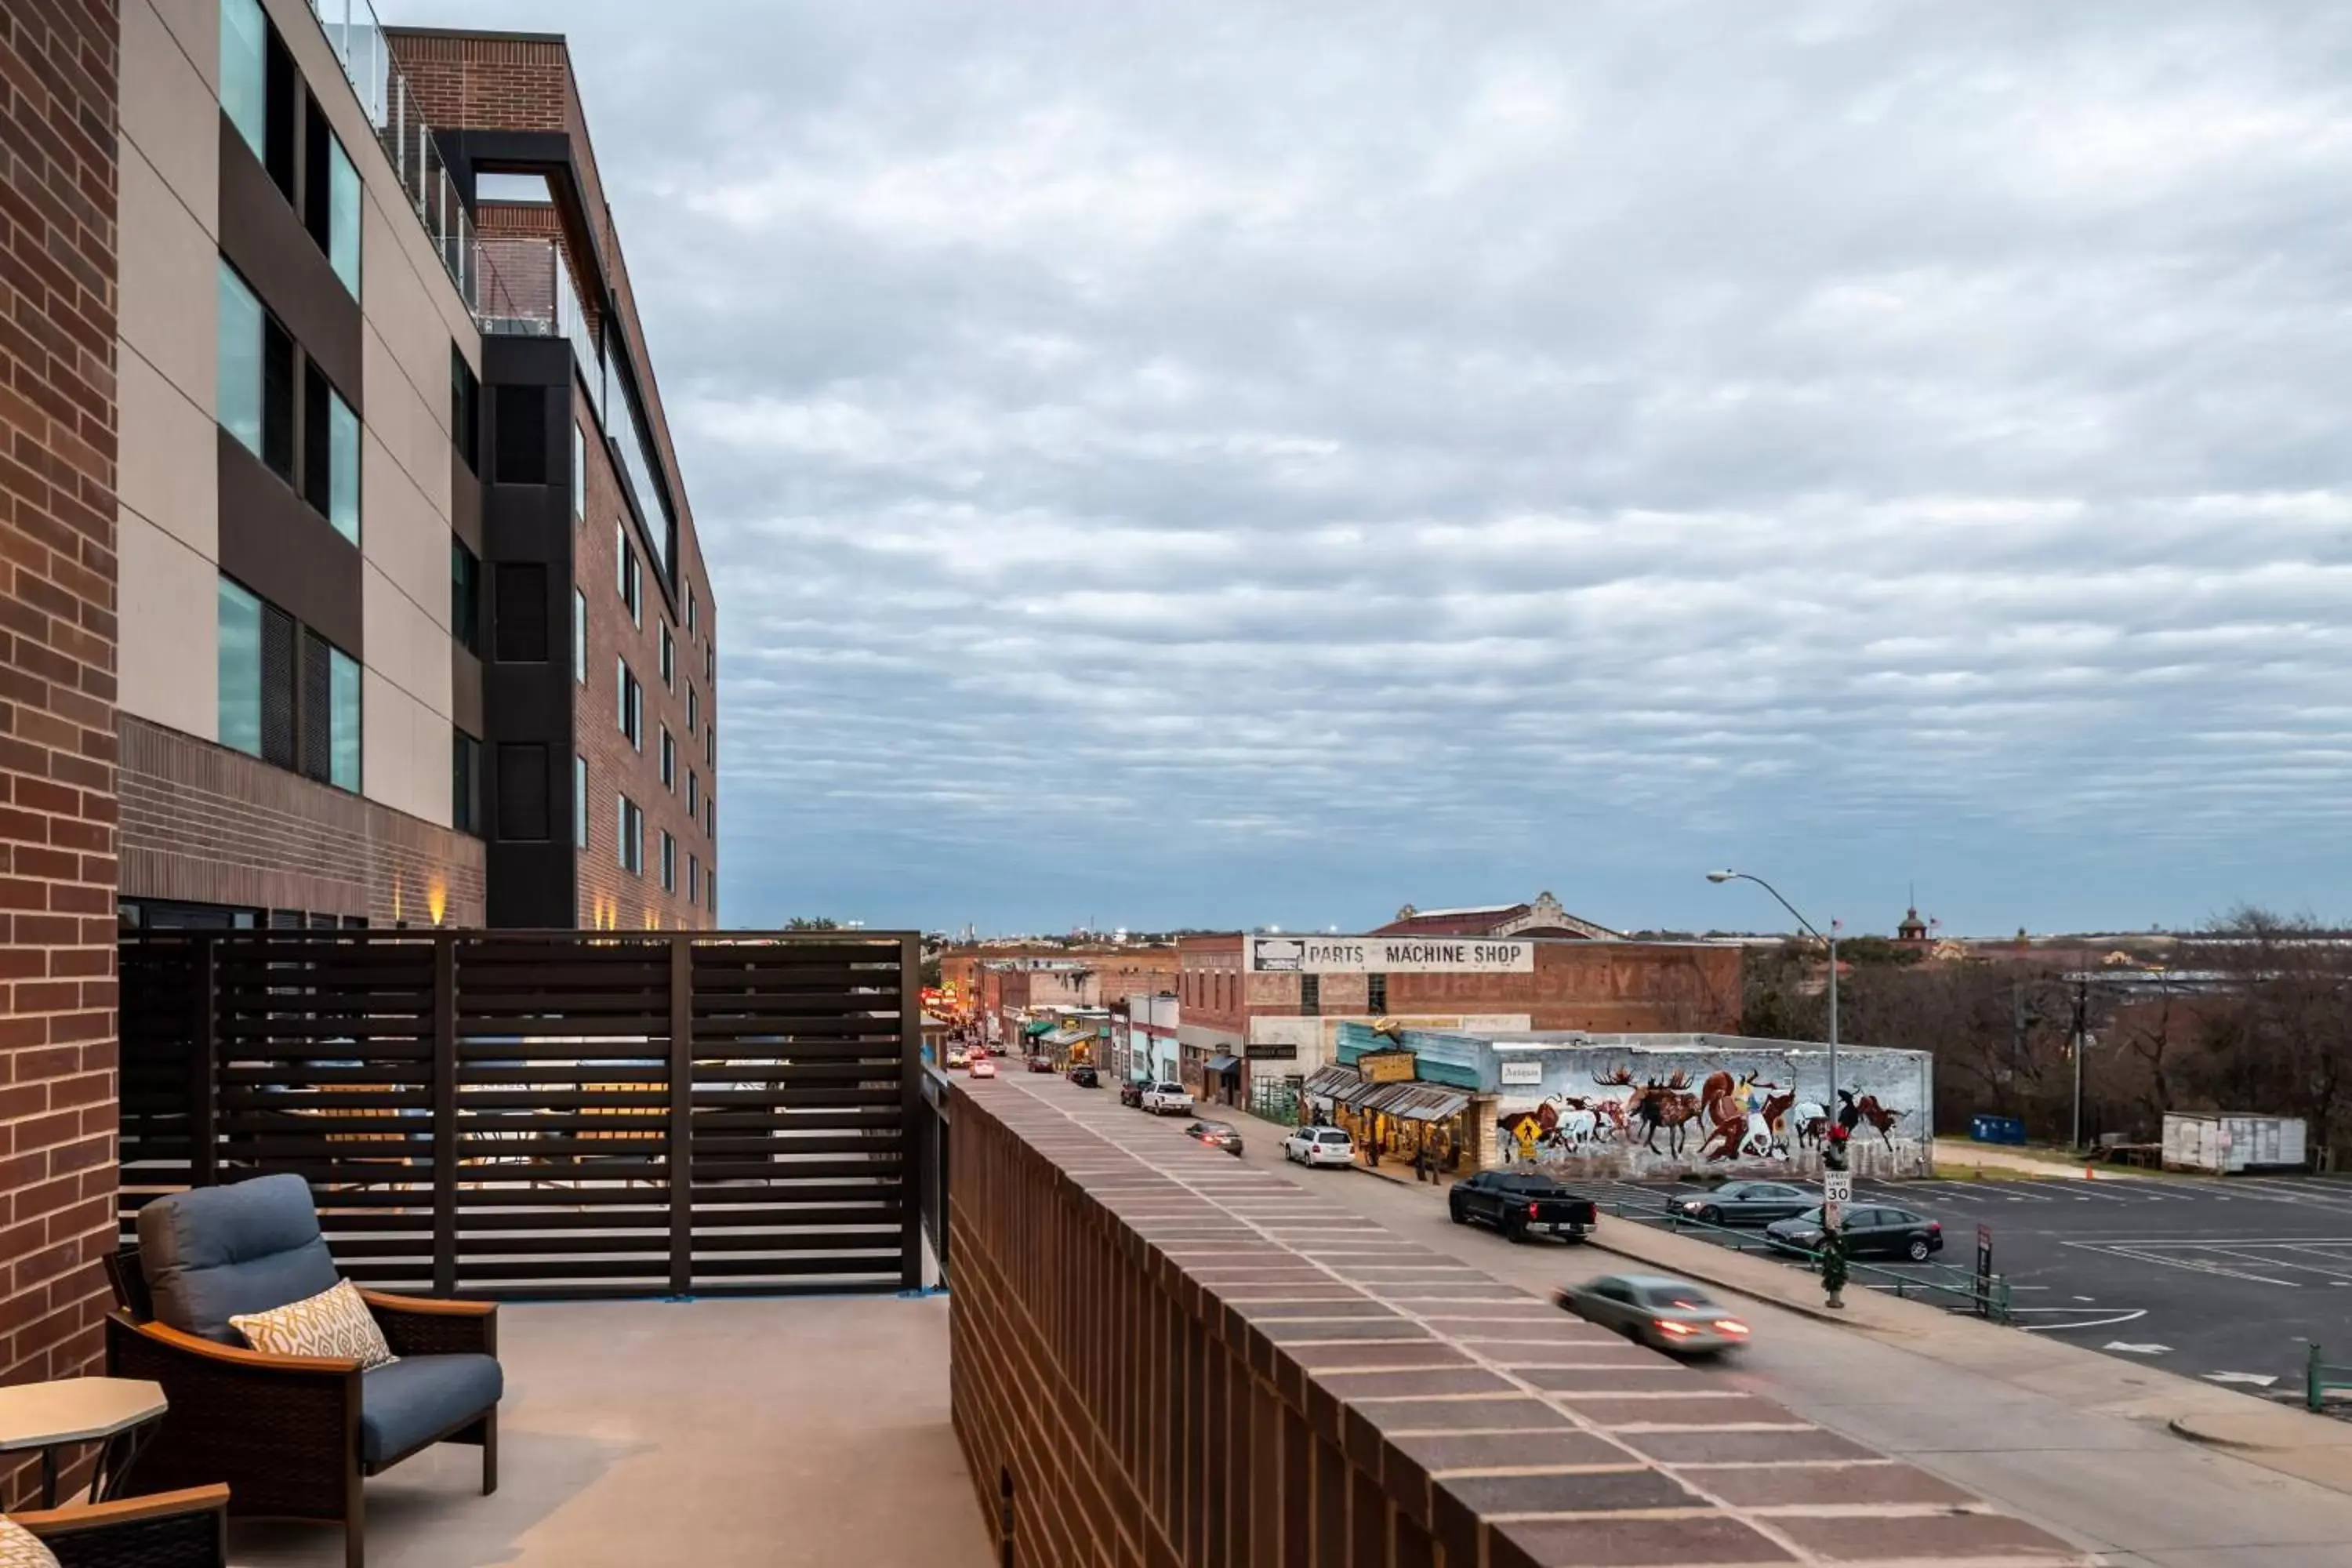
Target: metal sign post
{"type": "Point", "coordinates": [1984, 1270]}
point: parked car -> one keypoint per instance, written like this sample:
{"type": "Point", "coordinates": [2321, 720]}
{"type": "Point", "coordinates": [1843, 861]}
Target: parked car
{"type": "Point", "coordinates": [1521, 1204]}
{"type": "Point", "coordinates": [1320, 1146]}
{"type": "Point", "coordinates": [1672, 1315]}
{"type": "Point", "coordinates": [1041, 1064]}
{"type": "Point", "coordinates": [1131, 1091]}
{"type": "Point", "coordinates": [1872, 1230]}
{"type": "Point", "coordinates": [1748, 1202]}
{"type": "Point", "coordinates": [1216, 1135]}
{"type": "Point", "coordinates": [1083, 1077]}
{"type": "Point", "coordinates": [981, 1067]}
{"type": "Point", "coordinates": [1165, 1099]}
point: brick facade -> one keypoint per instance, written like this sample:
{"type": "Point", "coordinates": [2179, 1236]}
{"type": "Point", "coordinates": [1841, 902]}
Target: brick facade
{"type": "Point", "coordinates": [1606, 987]}
{"type": "Point", "coordinates": [608, 895]}
{"type": "Point", "coordinates": [204, 824]}
{"type": "Point", "coordinates": [470, 81]}
{"type": "Point", "coordinates": [59, 100]}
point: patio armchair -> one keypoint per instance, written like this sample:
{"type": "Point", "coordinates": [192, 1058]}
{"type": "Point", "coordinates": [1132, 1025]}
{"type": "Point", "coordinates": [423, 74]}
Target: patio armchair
{"type": "Point", "coordinates": [169, 1530]}
{"type": "Point", "coordinates": [293, 1436]}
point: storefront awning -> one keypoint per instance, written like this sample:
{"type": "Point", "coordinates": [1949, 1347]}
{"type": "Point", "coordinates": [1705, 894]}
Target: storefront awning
{"type": "Point", "coordinates": [1042, 1026]}
{"type": "Point", "coordinates": [1329, 1080]}
{"type": "Point", "coordinates": [1067, 1036]}
{"type": "Point", "coordinates": [1222, 1064]}
{"type": "Point", "coordinates": [1426, 1102]}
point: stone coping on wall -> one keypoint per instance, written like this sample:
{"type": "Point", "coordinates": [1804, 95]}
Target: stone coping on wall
{"type": "Point", "coordinates": [1513, 1434]}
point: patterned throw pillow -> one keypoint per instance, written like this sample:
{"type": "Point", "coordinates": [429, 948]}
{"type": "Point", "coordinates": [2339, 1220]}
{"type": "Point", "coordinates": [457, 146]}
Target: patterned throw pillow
{"type": "Point", "coordinates": [20, 1548]}
{"type": "Point", "coordinates": [334, 1322]}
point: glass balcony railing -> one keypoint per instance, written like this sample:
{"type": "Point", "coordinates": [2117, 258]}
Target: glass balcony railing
{"type": "Point", "coordinates": [525, 290]}
{"type": "Point", "coordinates": [358, 40]}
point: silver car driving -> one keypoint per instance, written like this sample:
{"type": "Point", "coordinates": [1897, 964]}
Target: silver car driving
{"type": "Point", "coordinates": [1663, 1312]}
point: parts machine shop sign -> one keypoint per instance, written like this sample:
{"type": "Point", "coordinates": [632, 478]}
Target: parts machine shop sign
{"type": "Point", "coordinates": [1386, 955]}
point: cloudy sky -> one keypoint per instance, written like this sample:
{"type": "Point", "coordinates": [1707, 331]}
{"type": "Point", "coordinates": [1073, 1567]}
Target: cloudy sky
{"type": "Point", "coordinates": [1229, 464]}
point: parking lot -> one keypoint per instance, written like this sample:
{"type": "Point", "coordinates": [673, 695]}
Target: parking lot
{"type": "Point", "coordinates": [2227, 1280]}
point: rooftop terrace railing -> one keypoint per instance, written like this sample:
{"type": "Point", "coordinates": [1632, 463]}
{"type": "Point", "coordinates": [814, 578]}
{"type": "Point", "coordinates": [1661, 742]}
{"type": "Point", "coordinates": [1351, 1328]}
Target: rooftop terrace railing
{"type": "Point", "coordinates": [357, 40]}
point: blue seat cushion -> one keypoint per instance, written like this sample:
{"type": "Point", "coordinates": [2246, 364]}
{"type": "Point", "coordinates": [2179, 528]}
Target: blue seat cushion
{"type": "Point", "coordinates": [416, 1396]}
{"type": "Point", "coordinates": [211, 1253]}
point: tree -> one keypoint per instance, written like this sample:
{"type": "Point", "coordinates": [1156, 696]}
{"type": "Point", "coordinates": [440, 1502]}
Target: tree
{"type": "Point", "coordinates": [812, 923]}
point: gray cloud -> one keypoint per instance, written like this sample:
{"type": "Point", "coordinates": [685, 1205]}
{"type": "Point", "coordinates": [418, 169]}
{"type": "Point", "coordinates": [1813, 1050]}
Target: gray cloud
{"type": "Point", "coordinates": [1246, 463]}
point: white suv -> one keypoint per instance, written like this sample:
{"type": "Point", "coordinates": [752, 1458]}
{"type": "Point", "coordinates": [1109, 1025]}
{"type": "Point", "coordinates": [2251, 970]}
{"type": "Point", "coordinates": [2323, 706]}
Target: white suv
{"type": "Point", "coordinates": [1320, 1146]}
{"type": "Point", "coordinates": [1168, 1098]}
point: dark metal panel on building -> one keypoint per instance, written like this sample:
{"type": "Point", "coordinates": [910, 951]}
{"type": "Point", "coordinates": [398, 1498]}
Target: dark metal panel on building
{"type": "Point", "coordinates": [533, 882]}
{"type": "Point", "coordinates": [266, 242]}
{"type": "Point", "coordinates": [272, 541]}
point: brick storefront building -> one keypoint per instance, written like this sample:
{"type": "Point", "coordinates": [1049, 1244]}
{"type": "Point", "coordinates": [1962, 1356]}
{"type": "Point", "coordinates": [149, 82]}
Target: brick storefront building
{"type": "Point", "coordinates": [1276, 1024]}
{"type": "Point", "coordinates": [1011, 990]}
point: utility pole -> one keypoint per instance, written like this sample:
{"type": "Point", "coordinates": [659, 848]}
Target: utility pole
{"type": "Point", "coordinates": [2082, 1040]}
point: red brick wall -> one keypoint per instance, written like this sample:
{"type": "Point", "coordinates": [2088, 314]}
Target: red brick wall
{"type": "Point", "coordinates": [58, 94]}
{"type": "Point", "coordinates": [1612, 986]}
{"type": "Point", "coordinates": [609, 896]}
{"type": "Point", "coordinates": [209, 824]}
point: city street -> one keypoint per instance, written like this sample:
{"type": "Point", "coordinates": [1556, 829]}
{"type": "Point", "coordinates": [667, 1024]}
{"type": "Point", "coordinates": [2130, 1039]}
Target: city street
{"type": "Point", "coordinates": [2131, 1489]}
{"type": "Point", "coordinates": [2227, 1280]}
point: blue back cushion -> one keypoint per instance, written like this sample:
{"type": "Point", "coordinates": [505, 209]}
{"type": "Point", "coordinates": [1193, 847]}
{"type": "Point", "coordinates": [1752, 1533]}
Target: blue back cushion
{"type": "Point", "coordinates": [213, 1252]}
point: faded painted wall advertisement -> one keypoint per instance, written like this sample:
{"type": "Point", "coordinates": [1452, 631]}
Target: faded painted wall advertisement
{"type": "Point", "coordinates": [1603, 1111]}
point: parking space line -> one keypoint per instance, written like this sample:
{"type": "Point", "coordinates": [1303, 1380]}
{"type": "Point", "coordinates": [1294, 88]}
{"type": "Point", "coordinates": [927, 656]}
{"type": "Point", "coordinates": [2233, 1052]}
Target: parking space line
{"type": "Point", "coordinates": [2155, 1253]}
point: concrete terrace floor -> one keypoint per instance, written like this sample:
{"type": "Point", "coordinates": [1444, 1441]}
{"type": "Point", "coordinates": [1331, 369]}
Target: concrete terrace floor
{"type": "Point", "coordinates": [708, 1433]}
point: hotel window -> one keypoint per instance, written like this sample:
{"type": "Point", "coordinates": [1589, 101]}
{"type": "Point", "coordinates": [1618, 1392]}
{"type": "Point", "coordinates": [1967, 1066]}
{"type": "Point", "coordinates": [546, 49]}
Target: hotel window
{"type": "Point", "coordinates": [330, 200]}
{"type": "Point", "coordinates": [580, 635]}
{"type": "Point", "coordinates": [624, 571]}
{"type": "Point", "coordinates": [632, 841]}
{"type": "Point", "coordinates": [710, 745]}
{"type": "Point", "coordinates": [669, 658]}
{"type": "Point", "coordinates": [693, 708]}
{"type": "Point", "coordinates": [464, 783]}
{"type": "Point", "coordinates": [668, 760]}
{"type": "Point", "coordinates": [286, 695]}
{"type": "Point", "coordinates": [693, 879]}
{"type": "Point", "coordinates": [255, 380]}
{"type": "Point", "coordinates": [579, 472]}
{"type": "Point", "coordinates": [1376, 995]}
{"type": "Point", "coordinates": [631, 705]}
{"type": "Point", "coordinates": [670, 863]}
{"type": "Point", "coordinates": [710, 661]}
{"type": "Point", "coordinates": [258, 88]}
{"type": "Point", "coordinates": [465, 595]}
{"type": "Point", "coordinates": [330, 453]}
{"type": "Point", "coordinates": [464, 410]}
{"type": "Point", "coordinates": [693, 620]}
{"type": "Point", "coordinates": [693, 796]}
{"type": "Point", "coordinates": [580, 801]}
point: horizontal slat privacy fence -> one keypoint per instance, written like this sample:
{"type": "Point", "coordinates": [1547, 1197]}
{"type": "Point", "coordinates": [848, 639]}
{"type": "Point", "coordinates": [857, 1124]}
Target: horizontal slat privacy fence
{"type": "Point", "coordinates": [556, 1114]}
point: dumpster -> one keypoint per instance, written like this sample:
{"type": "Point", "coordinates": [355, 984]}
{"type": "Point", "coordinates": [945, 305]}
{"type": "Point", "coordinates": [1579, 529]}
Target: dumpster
{"type": "Point", "coordinates": [1996, 1130]}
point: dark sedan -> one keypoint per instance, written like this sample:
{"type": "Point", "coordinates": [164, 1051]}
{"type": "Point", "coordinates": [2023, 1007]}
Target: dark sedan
{"type": "Point", "coordinates": [1216, 1135]}
{"type": "Point", "coordinates": [1872, 1230]}
{"type": "Point", "coordinates": [1083, 1077]}
{"type": "Point", "coordinates": [1746, 1203]}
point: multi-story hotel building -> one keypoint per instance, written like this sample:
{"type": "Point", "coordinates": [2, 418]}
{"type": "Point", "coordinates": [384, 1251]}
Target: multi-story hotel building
{"type": "Point", "coordinates": [415, 626]}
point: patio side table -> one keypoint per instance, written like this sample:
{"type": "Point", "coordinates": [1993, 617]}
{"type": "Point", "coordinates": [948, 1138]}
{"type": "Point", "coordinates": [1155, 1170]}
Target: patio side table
{"type": "Point", "coordinates": [119, 1414]}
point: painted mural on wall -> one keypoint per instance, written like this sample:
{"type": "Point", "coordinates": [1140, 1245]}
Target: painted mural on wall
{"type": "Point", "coordinates": [1603, 1111]}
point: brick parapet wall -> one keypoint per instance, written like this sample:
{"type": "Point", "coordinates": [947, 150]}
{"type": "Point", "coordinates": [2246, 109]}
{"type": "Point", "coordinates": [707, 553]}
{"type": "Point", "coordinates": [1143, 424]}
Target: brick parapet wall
{"type": "Point", "coordinates": [209, 824]}
{"type": "Point", "coordinates": [1159, 1355]}
{"type": "Point", "coordinates": [58, 158]}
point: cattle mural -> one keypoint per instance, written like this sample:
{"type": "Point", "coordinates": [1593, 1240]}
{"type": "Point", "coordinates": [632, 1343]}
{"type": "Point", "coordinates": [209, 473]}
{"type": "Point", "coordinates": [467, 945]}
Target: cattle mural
{"type": "Point", "coordinates": [1603, 1111]}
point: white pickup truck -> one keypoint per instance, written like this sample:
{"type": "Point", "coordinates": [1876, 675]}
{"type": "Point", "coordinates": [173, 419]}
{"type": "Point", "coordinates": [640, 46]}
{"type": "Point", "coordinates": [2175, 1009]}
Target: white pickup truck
{"type": "Point", "coordinates": [1166, 1098]}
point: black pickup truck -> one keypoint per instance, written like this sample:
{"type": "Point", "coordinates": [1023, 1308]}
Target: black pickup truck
{"type": "Point", "coordinates": [1521, 1204]}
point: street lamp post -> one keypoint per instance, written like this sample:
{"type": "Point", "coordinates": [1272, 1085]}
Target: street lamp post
{"type": "Point", "coordinates": [1837, 1185]}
